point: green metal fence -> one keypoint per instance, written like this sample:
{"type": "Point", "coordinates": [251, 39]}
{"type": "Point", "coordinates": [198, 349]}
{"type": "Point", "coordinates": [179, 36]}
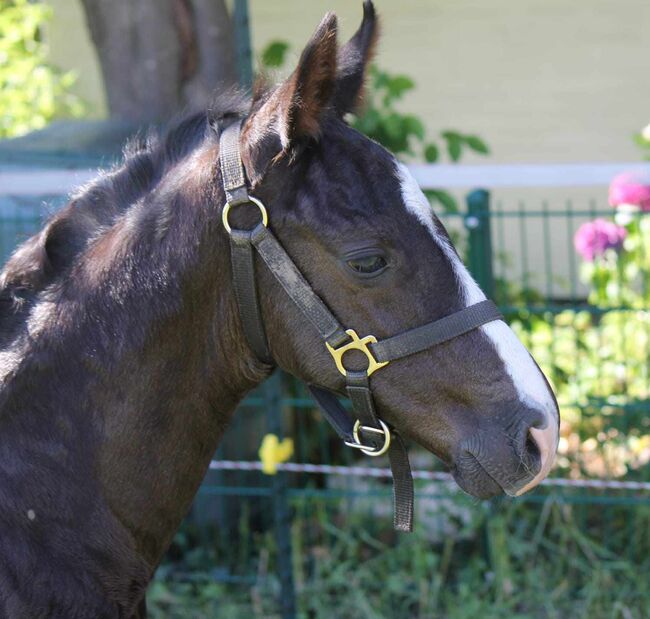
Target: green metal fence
{"type": "Point", "coordinates": [596, 354]}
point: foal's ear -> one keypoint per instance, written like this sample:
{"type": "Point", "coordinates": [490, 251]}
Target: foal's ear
{"type": "Point", "coordinates": [295, 109]}
{"type": "Point", "coordinates": [353, 60]}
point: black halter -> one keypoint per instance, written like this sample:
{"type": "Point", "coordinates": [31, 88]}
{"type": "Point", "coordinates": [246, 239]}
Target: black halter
{"type": "Point", "coordinates": [367, 432]}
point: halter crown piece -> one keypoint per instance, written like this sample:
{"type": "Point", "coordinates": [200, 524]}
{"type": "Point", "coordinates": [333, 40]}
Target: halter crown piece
{"type": "Point", "coordinates": [364, 431]}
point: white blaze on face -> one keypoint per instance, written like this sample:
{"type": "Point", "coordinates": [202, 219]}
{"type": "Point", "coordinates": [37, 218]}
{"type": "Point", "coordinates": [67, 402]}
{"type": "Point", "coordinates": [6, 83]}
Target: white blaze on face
{"type": "Point", "coordinates": [522, 370]}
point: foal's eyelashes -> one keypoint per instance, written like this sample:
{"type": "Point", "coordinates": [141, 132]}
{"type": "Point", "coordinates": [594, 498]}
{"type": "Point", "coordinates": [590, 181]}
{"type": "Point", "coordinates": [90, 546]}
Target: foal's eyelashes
{"type": "Point", "coordinates": [367, 265]}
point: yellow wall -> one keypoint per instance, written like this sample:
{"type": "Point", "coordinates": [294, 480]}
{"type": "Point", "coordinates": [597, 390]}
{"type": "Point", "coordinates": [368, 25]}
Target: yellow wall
{"type": "Point", "coordinates": [540, 80]}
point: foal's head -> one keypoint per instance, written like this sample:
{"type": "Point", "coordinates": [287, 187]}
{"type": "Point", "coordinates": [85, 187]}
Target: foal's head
{"type": "Point", "coordinates": [357, 225]}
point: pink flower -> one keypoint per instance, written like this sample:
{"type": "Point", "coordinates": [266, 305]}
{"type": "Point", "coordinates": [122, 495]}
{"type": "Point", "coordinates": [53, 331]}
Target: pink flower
{"type": "Point", "coordinates": [594, 237]}
{"type": "Point", "coordinates": [631, 188]}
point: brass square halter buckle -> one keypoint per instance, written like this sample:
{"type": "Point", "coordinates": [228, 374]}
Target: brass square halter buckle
{"type": "Point", "coordinates": [357, 343]}
{"type": "Point", "coordinates": [366, 449]}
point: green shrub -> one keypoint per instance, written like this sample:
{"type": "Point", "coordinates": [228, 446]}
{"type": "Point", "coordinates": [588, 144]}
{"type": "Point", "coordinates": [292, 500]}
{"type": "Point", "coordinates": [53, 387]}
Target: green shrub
{"type": "Point", "coordinates": [32, 92]}
{"type": "Point", "coordinates": [598, 357]}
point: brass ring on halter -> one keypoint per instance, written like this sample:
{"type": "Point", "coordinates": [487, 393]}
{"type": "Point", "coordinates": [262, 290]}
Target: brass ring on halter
{"type": "Point", "coordinates": [370, 451]}
{"type": "Point", "coordinates": [251, 200]}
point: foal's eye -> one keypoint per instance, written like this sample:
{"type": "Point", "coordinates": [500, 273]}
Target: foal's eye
{"type": "Point", "coordinates": [366, 265]}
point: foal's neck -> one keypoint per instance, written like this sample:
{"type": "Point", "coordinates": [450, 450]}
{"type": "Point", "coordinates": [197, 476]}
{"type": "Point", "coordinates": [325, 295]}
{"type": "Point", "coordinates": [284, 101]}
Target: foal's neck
{"type": "Point", "coordinates": [154, 360]}
{"type": "Point", "coordinates": [173, 394]}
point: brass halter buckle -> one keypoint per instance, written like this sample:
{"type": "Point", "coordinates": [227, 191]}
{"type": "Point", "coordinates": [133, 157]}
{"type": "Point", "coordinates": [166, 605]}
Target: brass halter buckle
{"type": "Point", "coordinates": [357, 343]}
{"type": "Point", "coordinates": [368, 450]}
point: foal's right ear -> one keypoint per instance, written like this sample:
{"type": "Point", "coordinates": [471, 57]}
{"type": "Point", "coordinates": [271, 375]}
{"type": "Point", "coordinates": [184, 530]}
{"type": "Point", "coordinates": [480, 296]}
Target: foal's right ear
{"type": "Point", "coordinates": [293, 111]}
{"type": "Point", "coordinates": [353, 60]}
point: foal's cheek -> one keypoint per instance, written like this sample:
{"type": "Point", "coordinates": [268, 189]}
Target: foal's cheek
{"type": "Point", "coordinates": [302, 354]}
{"type": "Point", "coordinates": [421, 410]}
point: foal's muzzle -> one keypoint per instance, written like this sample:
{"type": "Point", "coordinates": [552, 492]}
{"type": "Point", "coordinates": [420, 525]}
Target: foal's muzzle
{"type": "Point", "coordinates": [509, 460]}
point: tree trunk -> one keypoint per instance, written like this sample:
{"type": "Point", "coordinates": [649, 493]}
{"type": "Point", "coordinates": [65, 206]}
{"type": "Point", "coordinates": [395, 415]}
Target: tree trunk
{"type": "Point", "coordinates": [160, 56]}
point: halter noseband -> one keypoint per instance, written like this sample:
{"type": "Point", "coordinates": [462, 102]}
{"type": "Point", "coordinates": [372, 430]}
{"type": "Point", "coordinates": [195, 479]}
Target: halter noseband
{"type": "Point", "coordinates": [367, 432]}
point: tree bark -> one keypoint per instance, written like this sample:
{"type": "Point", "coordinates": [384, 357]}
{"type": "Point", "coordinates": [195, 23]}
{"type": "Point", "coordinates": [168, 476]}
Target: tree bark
{"type": "Point", "coordinates": [160, 56]}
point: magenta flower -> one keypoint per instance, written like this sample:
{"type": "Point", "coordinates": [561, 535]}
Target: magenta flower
{"type": "Point", "coordinates": [631, 188]}
{"type": "Point", "coordinates": [594, 237]}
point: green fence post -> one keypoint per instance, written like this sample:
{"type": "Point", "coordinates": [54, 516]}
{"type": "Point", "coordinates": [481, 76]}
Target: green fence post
{"type": "Point", "coordinates": [243, 43]}
{"type": "Point", "coordinates": [477, 222]}
{"type": "Point", "coordinates": [479, 246]}
{"type": "Point", "coordinates": [281, 507]}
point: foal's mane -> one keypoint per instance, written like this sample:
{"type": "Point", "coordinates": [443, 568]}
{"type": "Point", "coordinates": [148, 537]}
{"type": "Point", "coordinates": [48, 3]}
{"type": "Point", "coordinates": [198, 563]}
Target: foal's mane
{"type": "Point", "coordinates": [46, 257]}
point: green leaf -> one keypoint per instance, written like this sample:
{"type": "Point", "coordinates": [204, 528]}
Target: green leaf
{"type": "Point", "coordinates": [454, 149]}
{"type": "Point", "coordinates": [394, 135]}
{"type": "Point", "coordinates": [399, 84]}
{"type": "Point", "coordinates": [414, 126]}
{"type": "Point", "coordinates": [368, 122]}
{"type": "Point", "coordinates": [274, 54]}
{"type": "Point", "coordinates": [431, 153]}
{"type": "Point", "coordinates": [447, 201]}
{"type": "Point", "coordinates": [394, 126]}
{"type": "Point", "coordinates": [476, 144]}
{"type": "Point", "coordinates": [380, 78]}
{"type": "Point", "coordinates": [454, 144]}
{"type": "Point", "coordinates": [451, 135]}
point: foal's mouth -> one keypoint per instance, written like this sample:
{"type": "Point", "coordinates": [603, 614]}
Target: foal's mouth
{"type": "Point", "coordinates": [486, 475]}
{"type": "Point", "coordinates": [510, 461]}
{"type": "Point", "coordinates": [475, 480]}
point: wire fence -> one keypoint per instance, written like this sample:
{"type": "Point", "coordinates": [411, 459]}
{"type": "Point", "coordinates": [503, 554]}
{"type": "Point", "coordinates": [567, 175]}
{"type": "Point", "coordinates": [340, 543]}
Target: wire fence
{"type": "Point", "coordinates": [373, 471]}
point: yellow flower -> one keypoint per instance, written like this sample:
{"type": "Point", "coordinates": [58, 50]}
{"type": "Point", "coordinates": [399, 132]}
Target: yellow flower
{"type": "Point", "coordinates": [273, 451]}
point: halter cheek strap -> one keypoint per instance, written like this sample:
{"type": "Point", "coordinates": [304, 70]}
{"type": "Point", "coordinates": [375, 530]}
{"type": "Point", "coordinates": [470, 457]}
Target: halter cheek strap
{"type": "Point", "coordinates": [365, 430]}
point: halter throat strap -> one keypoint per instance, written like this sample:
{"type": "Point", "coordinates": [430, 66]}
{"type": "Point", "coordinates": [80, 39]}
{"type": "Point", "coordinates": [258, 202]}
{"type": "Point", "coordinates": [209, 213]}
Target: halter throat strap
{"type": "Point", "coordinates": [365, 431]}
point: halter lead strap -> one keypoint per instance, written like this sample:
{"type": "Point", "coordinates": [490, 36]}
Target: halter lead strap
{"type": "Point", "coordinates": [368, 433]}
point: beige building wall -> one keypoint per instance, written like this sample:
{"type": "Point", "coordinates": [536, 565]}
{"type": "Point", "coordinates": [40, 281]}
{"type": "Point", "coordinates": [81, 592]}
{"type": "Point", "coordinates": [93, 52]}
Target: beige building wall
{"type": "Point", "coordinates": [540, 80]}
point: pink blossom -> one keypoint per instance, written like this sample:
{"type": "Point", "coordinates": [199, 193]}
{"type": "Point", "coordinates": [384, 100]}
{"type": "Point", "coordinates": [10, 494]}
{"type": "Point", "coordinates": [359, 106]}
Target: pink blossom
{"type": "Point", "coordinates": [594, 237]}
{"type": "Point", "coordinates": [631, 188]}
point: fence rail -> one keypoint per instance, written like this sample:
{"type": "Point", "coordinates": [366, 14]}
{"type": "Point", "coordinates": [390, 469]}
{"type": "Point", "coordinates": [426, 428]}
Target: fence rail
{"type": "Point", "coordinates": [386, 473]}
{"type": "Point", "coordinates": [21, 182]}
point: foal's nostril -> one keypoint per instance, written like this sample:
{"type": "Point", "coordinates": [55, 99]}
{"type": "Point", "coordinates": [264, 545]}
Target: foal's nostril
{"type": "Point", "coordinates": [538, 420]}
{"type": "Point", "coordinates": [524, 442]}
{"type": "Point", "coordinates": [540, 445]}
{"type": "Point", "coordinates": [531, 450]}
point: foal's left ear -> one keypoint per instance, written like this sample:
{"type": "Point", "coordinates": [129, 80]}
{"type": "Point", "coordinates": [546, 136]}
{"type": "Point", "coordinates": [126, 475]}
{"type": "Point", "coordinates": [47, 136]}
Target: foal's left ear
{"type": "Point", "coordinates": [353, 60]}
{"type": "Point", "coordinates": [293, 111]}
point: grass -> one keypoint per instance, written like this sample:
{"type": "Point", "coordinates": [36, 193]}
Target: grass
{"type": "Point", "coordinates": [515, 560]}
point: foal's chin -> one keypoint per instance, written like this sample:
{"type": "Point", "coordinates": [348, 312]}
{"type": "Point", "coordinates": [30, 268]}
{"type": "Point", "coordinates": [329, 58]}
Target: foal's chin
{"type": "Point", "coordinates": [484, 477]}
{"type": "Point", "coordinates": [476, 481]}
